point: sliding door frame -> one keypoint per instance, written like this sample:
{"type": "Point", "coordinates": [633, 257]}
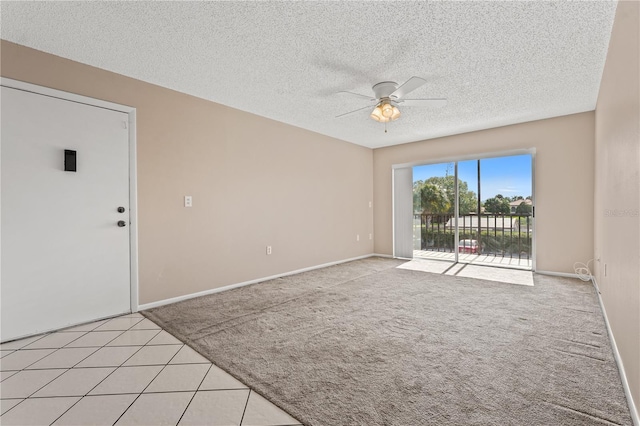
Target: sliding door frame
{"type": "Point", "coordinates": [480, 156]}
{"type": "Point", "coordinates": [456, 213]}
{"type": "Point", "coordinates": [399, 203]}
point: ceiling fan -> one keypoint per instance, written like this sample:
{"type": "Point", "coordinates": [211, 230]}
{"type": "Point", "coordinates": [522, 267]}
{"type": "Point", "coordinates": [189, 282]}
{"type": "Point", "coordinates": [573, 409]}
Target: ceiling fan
{"type": "Point", "coordinates": [388, 96]}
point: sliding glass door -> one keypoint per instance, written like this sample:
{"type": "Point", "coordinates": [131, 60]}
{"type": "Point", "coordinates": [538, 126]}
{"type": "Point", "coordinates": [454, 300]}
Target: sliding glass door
{"type": "Point", "coordinates": [475, 211]}
{"type": "Point", "coordinates": [434, 198]}
{"type": "Point", "coordinates": [506, 228]}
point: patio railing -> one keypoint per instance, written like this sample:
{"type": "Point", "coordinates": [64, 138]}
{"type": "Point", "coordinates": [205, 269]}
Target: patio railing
{"type": "Point", "coordinates": [488, 234]}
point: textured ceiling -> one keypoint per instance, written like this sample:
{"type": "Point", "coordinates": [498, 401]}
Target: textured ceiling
{"type": "Point", "coordinates": [497, 63]}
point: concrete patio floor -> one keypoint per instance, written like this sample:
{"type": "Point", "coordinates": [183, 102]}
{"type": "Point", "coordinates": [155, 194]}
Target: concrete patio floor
{"type": "Point", "coordinates": [475, 259]}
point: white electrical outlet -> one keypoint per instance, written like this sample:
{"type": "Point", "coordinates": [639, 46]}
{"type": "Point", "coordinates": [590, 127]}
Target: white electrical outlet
{"type": "Point", "coordinates": [369, 204]}
{"type": "Point", "coordinates": [358, 237]}
{"type": "Point", "coordinates": [371, 236]}
{"type": "Point", "coordinates": [188, 201]}
{"type": "Point", "coordinates": [268, 249]}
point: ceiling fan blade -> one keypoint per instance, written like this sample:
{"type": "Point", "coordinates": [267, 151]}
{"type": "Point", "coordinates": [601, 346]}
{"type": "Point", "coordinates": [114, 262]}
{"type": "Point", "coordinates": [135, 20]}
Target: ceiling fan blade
{"type": "Point", "coordinates": [371, 98]}
{"type": "Point", "coordinates": [355, 110]}
{"type": "Point", "coordinates": [423, 102]}
{"type": "Point", "coordinates": [409, 86]}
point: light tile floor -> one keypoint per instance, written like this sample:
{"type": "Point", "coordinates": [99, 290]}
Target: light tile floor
{"type": "Point", "coordinates": [122, 371]}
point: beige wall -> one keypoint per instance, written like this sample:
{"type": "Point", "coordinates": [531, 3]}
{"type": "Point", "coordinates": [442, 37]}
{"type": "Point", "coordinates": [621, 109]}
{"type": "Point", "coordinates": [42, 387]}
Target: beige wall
{"type": "Point", "coordinates": [255, 182]}
{"type": "Point", "coordinates": [563, 181]}
{"type": "Point", "coordinates": [617, 203]}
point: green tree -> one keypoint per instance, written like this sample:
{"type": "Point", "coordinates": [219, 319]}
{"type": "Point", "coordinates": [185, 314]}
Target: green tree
{"type": "Point", "coordinates": [430, 198]}
{"type": "Point", "coordinates": [497, 205]}
{"type": "Point", "coordinates": [439, 197]}
{"type": "Point", "coordinates": [468, 199]}
{"type": "Point", "coordinates": [523, 209]}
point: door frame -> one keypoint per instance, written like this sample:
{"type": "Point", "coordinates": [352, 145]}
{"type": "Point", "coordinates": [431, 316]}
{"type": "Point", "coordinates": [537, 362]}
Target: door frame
{"type": "Point", "coordinates": [133, 191]}
{"type": "Point", "coordinates": [480, 156]}
{"type": "Point", "coordinates": [394, 206]}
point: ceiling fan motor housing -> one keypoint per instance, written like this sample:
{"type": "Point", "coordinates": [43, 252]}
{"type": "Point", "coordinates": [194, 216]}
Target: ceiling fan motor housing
{"type": "Point", "coordinates": [384, 89]}
{"type": "Point", "coordinates": [388, 96]}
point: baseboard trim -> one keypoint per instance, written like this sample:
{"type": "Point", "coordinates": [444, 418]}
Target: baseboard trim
{"type": "Point", "coordinates": [623, 376]}
{"type": "Point", "coordinates": [558, 274]}
{"type": "Point", "coordinates": [242, 284]}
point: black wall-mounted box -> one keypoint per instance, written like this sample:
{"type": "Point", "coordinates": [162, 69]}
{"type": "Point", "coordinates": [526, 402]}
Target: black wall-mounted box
{"type": "Point", "coordinates": [69, 160]}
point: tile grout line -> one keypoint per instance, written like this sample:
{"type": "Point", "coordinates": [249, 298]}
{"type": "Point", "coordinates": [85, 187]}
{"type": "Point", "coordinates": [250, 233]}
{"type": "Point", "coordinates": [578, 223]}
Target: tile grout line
{"type": "Point", "coordinates": [246, 404]}
{"type": "Point", "coordinates": [44, 349]}
{"type": "Point", "coordinates": [101, 322]}
{"type": "Point", "coordinates": [194, 394]}
{"type": "Point", "coordinates": [56, 350]}
{"type": "Point", "coordinates": [109, 366]}
{"type": "Point", "coordinates": [24, 368]}
{"type": "Point", "coordinates": [74, 366]}
{"type": "Point", "coordinates": [159, 330]}
{"type": "Point", "coordinates": [148, 384]}
{"type": "Point", "coordinates": [46, 384]}
{"type": "Point", "coordinates": [53, 332]}
{"type": "Point", "coordinates": [64, 330]}
{"type": "Point", "coordinates": [44, 369]}
{"type": "Point", "coordinates": [41, 336]}
{"type": "Point", "coordinates": [132, 393]}
{"type": "Point", "coordinates": [64, 347]}
{"type": "Point", "coordinates": [8, 371]}
{"type": "Point", "coordinates": [23, 400]}
{"type": "Point", "coordinates": [112, 346]}
{"type": "Point", "coordinates": [123, 362]}
{"type": "Point", "coordinates": [107, 376]}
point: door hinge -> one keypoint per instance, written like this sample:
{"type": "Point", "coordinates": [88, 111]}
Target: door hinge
{"type": "Point", "coordinates": [125, 125]}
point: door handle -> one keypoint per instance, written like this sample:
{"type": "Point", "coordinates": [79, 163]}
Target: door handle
{"type": "Point", "coordinates": [122, 223]}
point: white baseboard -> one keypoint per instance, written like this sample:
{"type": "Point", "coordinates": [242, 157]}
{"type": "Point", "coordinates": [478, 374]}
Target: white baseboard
{"type": "Point", "coordinates": [623, 376]}
{"type": "Point", "coordinates": [242, 284]}
{"type": "Point", "coordinates": [558, 274]}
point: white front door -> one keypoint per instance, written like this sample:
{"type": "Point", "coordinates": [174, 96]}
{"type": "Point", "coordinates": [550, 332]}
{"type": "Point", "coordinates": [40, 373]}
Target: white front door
{"type": "Point", "coordinates": [65, 260]}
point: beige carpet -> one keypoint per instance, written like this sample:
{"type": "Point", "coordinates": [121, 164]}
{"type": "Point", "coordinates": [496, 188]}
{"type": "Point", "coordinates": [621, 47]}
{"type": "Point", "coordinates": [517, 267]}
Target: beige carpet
{"type": "Point", "coordinates": [367, 343]}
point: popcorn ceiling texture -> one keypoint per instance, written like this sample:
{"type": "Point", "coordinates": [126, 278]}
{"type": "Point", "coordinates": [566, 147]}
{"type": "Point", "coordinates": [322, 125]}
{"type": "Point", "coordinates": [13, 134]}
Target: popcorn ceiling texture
{"type": "Point", "coordinates": [497, 63]}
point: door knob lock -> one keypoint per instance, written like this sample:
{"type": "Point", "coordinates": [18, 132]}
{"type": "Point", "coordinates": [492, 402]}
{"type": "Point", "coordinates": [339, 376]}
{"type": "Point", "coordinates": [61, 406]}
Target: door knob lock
{"type": "Point", "coordinates": [120, 209]}
{"type": "Point", "coordinates": [122, 223]}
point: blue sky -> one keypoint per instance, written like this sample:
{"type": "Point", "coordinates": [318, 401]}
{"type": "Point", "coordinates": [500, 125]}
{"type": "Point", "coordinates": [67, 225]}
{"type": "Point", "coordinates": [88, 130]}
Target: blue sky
{"type": "Point", "coordinates": [508, 176]}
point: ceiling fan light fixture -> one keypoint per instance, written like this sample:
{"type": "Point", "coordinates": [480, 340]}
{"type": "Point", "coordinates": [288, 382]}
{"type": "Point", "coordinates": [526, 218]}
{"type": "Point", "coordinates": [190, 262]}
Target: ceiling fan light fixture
{"type": "Point", "coordinates": [377, 115]}
{"type": "Point", "coordinates": [387, 110]}
{"type": "Point", "coordinates": [387, 95]}
{"type": "Point", "coordinates": [396, 113]}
